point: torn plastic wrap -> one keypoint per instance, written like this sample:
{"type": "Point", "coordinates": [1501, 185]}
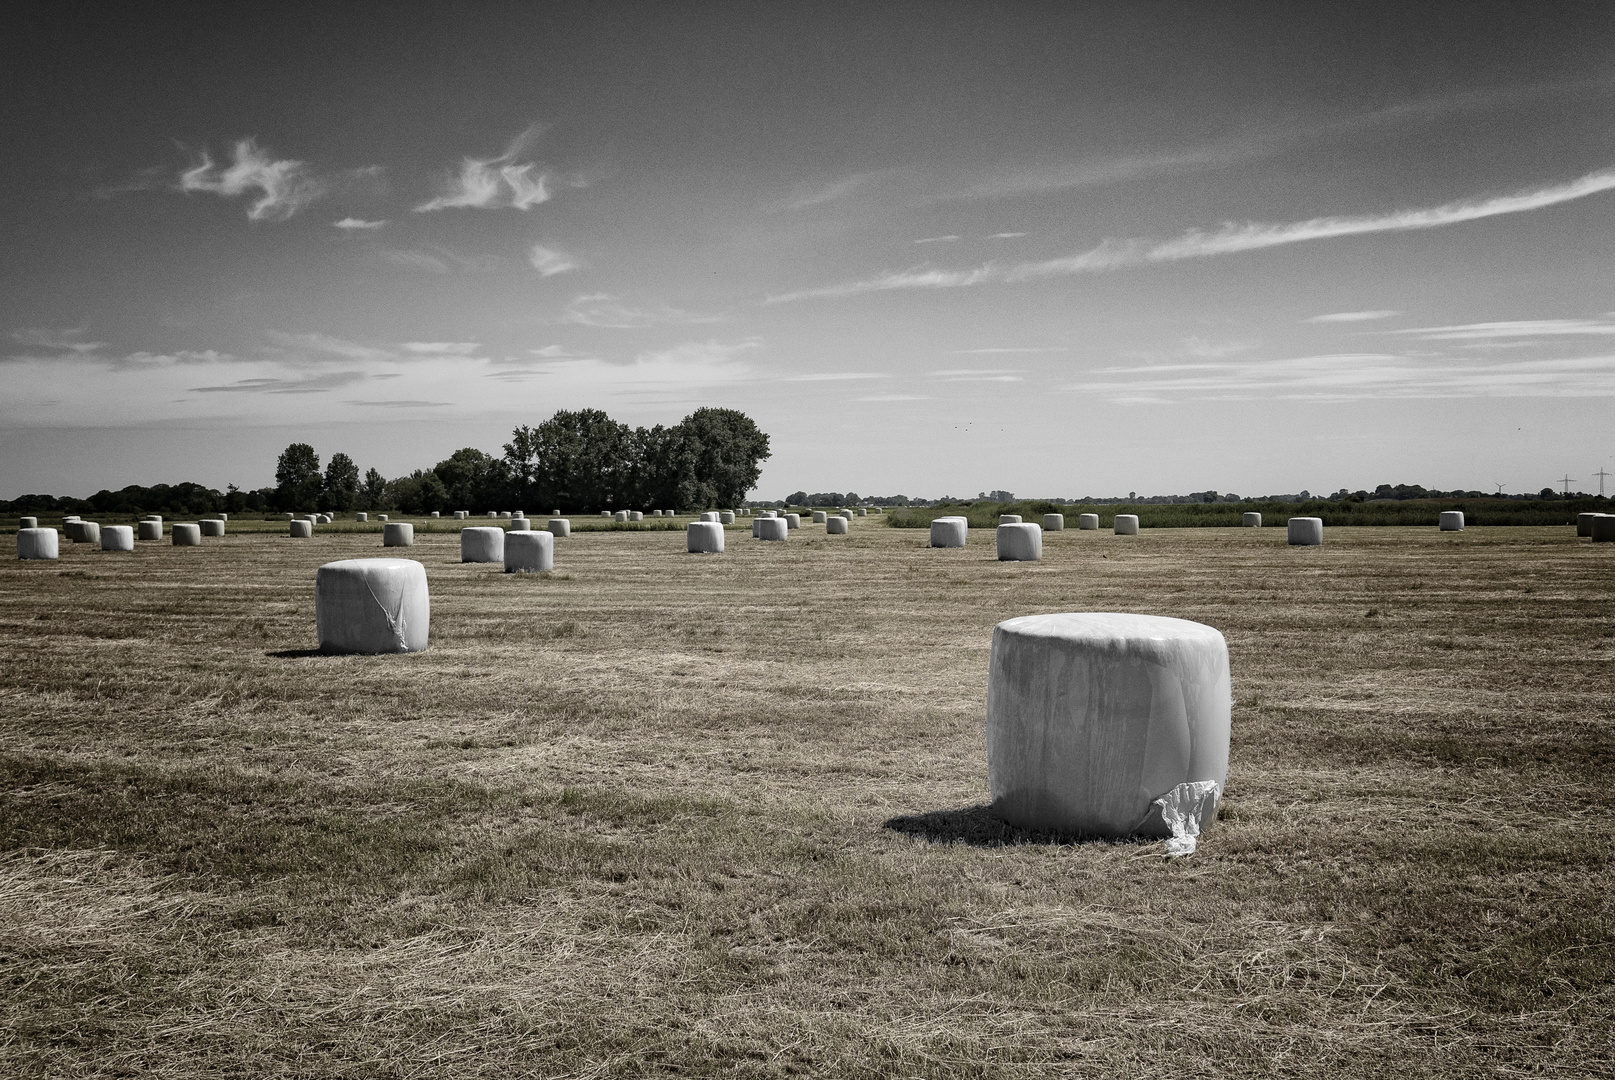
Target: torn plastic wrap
{"type": "Point", "coordinates": [1183, 809]}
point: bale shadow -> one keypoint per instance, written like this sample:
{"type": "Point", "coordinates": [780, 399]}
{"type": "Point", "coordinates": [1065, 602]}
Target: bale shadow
{"type": "Point", "coordinates": [978, 826]}
{"type": "Point", "coordinates": [295, 654]}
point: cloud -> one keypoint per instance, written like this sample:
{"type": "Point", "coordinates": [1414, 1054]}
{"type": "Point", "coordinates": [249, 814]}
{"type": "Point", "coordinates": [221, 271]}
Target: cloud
{"type": "Point", "coordinates": [550, 261]}
{"type": "Point", "coordinates": [604, 310]}
{"type": "Point", "coordinates": [894, 397]}
{"type": "Point", "coordinates": [816, 194]}
{"type": "Point", "coordinates": [1066, 176]}
{"type": "Point", "coordinates": [314, 346]}
{"type": "Point", "coordinates": [1230, 238]}
{"type": "Point", "coordinates": [937, 239]}
{"type": "Point", "coordinates": [978, 375]}
{"type": "Point", "coordinates": [440, 348]}
{"type": "Point", "coordinates": [284, 186]}
{"type": "Point", "coordinates": [436, 259]}
{"type": "Point", "coordinates": [1515, 330]}
{"type": "Point", "coordinates": [1011, 349]}
{"type": "Point", "coordinates": [1352, 316]}
{"type": "Point", "coordinates": [313, 384]}
{"type": "Point", "coordinates": [492, 183]}
{"type": "Point", "coordinates": [403, 404]}
{"type": "Point", "coordinates": [836, 376]}
{"type": "Point", "coordinates": [692, 364]}
{"type": "Point", "coordinates": [1006, 235]}
{"type": "Point", "coordinates": [71, 341]}
{"type": "Point", "coordinates": [353, 223]}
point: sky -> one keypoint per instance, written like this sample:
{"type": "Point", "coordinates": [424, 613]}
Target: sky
{"type": "Point", "coordinates": [932, 249]}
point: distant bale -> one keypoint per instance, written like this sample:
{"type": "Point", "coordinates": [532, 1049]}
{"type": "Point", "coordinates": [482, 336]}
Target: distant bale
{"type": "Point", "coordinates": [846, 514]}
{"type": "Point", "coordinates": [605, 513]}
{"type": "Point", "coordinates": [28, 523]}
{"type": "Point", "coordinates": [88, 532]}
{"type": "Point", "coordinates": [149, 530]}
{"type": "Point", "coordinates": [301, 529]}
{"type": "Point", "coordinates": [1251, 520]}
{"type": "Point", "coordinates": [726, 517]}
{"type": "Point", "coordinates": [372, 606]}
{"type": "Point", "coordinates": [1604, 529]}
{"type": "Point", "coordinates": [325, 519]}
{"type": "Point", "coordinates": [836, 526]}
{"type": "Point", "coordinates": [70, 517]}
{"type": "Point", "coordinates": [793, 521]}
{"type": "Point", "coordinates": [398, 534]}
{"type": "Point", "coordinates": [1019, 542]}
{"type": "Point", "coordinates": [482, 543]}
{"type": "Point", "coordinates": [1009, 519]}
{"type": "Point", "coordinates": [527, 551]}
{"type": "Point", "coordinates": [950, 532]}
{"type": "Point", "coordinates": [381, 517]}
{"type": "Point", "coordinates": [37, 543]}
{"type": "Point", "coordinates": [620, 515]}
{"type": "Point", "coordinates": [493, 513]}
{"type": "Point", "coordinates": [655, 513]}
{"type": "Point", "coordinates": [1054, 523]}
{"type": "Point", "coordinates": [820, 517]}
{"type": "Point", "coordinates": [118, 538]}
{"type": "Point", "coordinates": [1305, 531]}
{"type": "Point", "coordinates": [555, 513]}
{"type": "Point", "coordinates": [435, 514]}
{"type": "Point", "coordinates": [709, 515]}
{"type": "Point", "coordinates": [186, 534]}
{"type": "Point", "coordinates": [152, 517]}
{"type": "Point", "coordinates": [504, 513]}
{"type": "Point", "coordinates": [636, 515]}
{"type": "Point", "coordinates": [361, 516]}
{"type": "Point", "coordinates": [772, 528]}
{"type": "Point", "coordinates": [1452, 521]}
{"type": "Point", "coordinates": [704, 538]}
{"type": "Point", "coordinates": [211, 527]}
{"type": "Point", "coordinates": [461, 515]}
{"type": "Point", "coordinates": [862, 512]}
{"type": "Point", "coordinates": [290, 516]}
{"type": "Point", "coordinates": [1088, 521]}
{"type": "Point", "coordinates": [520, 524]}
{"type": "Point", "coordinates": [224, 517]}
{"type": "Point", "coordinates": [560, 526]}
{"type": "Point", "coordinates": [1584, 523]}
{"type": "Point", "coordinates": [1126, 525]}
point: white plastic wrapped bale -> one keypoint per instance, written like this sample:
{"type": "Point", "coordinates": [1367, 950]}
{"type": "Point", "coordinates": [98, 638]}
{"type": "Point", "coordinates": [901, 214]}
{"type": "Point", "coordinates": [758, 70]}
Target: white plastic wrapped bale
{"type": "Point", "coordinates": [527, 551]}
{"type": "Point", "coordinates": [361, 516]}
{"type": "Point", "coordinates": [605, 513]}
{"type": "Point", "coordinates": [1093, 717]}
{"type": "Point", "coordinates": [820, 517]}
{"type": "Point", "coordinates": [187, 534]}
{"type": "Point", "coordinates": [1022, 542]}
{"type": "Point", "coordinates": [518, 513]}
{"type": "Point", "coordinates": [504, 513]}
{"type": "Point", "coordinates": [118, 538]}
{"type": "Point", "coordinates": [726, 517]}
{"type": "Point", "coordinates": [555, 513]}
{"type": "Point", "coordinates": [655, 513]}
{"type": "Point", "coordinates": [1251, 520]}
{"type": "Point", "coordinates": [461, 515]}
{"type": "Point", "coordinates": [520, 524]}
{"type": "Point", "coordinates": [793, 521]}
{"type": "Point", "coordinates": [1305, 531]}
{"type": "Point", "coordinates": [754, 522]}
{"type": "Point", "coordinates": [704, 537]}
{"type": "Point", "coordinates": [772, 529]}
{"type": "Point", "coordinates": [27, 523]}
{"type": "Point", "coordinates": [290, 516]}
{"type": "Point", "coordinates": [845, 515]}
{"type": "Point", "coordinates": [1584, 524]}
{"type": "Point", "coordinates": [1604, 529]}
{"type": "Point", "coordinates": [1009, 519]}
{"type": "Point", "coordinates": [224, 517]}
{"type": "Point", "coordinates": [398, 534]}
{"type": "Point", "coordinates": [70, 517]}
{"type": "Point", "coordinates": [950, 532]}
{"type": "Point", "coordinates": [1126, 525]}
{"type": "Point", "coordinates": [709, 515]}
{"type": "Point", "coordinates": [325, 519]}
{"type": "Point", "coordinates": [620, 516]}
{"type": "Point", "coordinates": [372, 606]}
{"type": "Point", "coordinates": [211, 527]}
{"type": "Point", "coordinates": [863, 512]}
{"type": "Point", "coordinates": [560, 526]}
{"type": "Point", "coordinates": [37, 543]}
{"type": "Point", "coordinates": [158, 518]}
{"type": "Point", "coordinates": [1088, 522]}
{"type": "Point", "coordinates": [149, 530]}
{"type": "Point", "coordinates": [636, 515]}
{"type": "Point", "coordinates": [1054, 523]}
{"type": "Point", "coordinates": [381, 517]}
{"type": "Point", "coordinates": [1452, 521]}
{"type": "Point", "coordinates": [482, 543]}
{"type": "Point", "coordinates": [836, 526]}
{"type": "Point", "coordinates": [300, 529]}
{"type": "Point", "coordinates": [88, 532]}
{"type": "Point", "coordinates": [435, 514]}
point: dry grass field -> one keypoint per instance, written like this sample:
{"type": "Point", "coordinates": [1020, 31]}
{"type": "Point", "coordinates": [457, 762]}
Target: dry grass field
{"type": "Point", "coordinates": [657, 814]}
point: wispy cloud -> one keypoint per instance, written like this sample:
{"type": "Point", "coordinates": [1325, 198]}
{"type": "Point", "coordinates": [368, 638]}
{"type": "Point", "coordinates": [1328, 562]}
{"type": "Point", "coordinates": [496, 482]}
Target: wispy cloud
{"type": "Point", "coordinates": [1010, 349]}
{"type": "Point", "coordinates": [1517, 329]}
{"type": "Point", "coordinates": [978, 375]}
{"type": "Point", "coordinates": [894, 397]}
{"type": "Point", "coordinates": [550, 261]}
{"type": "Point", "coordinates": [604, 310]}
{"type": "Point", "coordinates": [356, 224]}
{"type": "Point", "coordinates": [283, 186]}
{"type": "Point", "coordinates": [405, 403]}
{"type": "Point", "coordinates": [312, 384]}
{"type": "Point", "coordinates": [440, 348]}
{"type": "Point", "coordinates": [836, 376]}
{"type": "Point", "coordinates": [950, 238]}
{"type": "Point", "coordinates": [437, 259]}
{"type": "Point", "coordinates": [1006, 235]}
{"type": "Point", "coordinates": [1352, 316]}
{"type": "Point", "coordinates": [692, 364]}
{"type": "Point", "coordinates": [1230, 238]}
{"type": "Point", "coordinates": [69, 341]}
{"type": "Point", "coordinates": [805, 195]}
{"type": "Point", "coordinates": [491, 183]}
{"type": "Point", "coordinates": [316, 347]}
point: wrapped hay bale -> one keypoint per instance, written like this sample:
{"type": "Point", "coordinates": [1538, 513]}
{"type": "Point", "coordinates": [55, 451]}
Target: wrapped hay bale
{"type": "Point", "coordinates": [1093, 717]}
{"type": "Point", "coordinates": [836, 526]}
{"type": "Point", "coordinates": [560, 526]}
{"type": "Point", "coordinates": [224, 517]}
{"type": "Point", "coordinates": [301, 529]}
{"type": "Point", "coordinates": [482, 543]}
{"type": "Point", "coordinates": [37, 543]}
{"type": "Point", "coordinates": [527, 551]}
{"type": "Point", "coordinates": [1452, 521]}
{"type": "Point", "coordinates": [361, 516]}
{"type": "Point", "coordinates": [435, 514]}
{"type": "Point", "coordinates": [754, 522]}
{"type": "Point", "coordinates": [520, 524]}
{"type": "Point", "coordinates": [158, 518]}
{"type": "Point", "coordinates": [1604, 529]}
{"type": "Point", "coordinates": [372, 606]}
{"type": "Point", "coordinates": [793, 521]}
{"type": "Point", "coordinates": [636, 515]}
{"type": "Point", "coordinates": [1305, 531]}
{"type": "Point", "coordinates": [704, 538]}
{"type": "Point", "coordinates": [772, 529]}
{"type": "Point", "coordinates": [1009, 519]}
{"type": "Point", "coordinates": [1019, 542]}
{"type": "Point", "coordinates": [710, 515]}
{"type": "Point", "coordinates": [845, 514]}
{"type": "Point", "coordinates": [381, 517]}
{"type": "Point", "coordinates": [1251, 520]}
{"type": "Point", "coordinates": [118, 538]}
{"type": "Point", "coordinates": [726, 517]}
{"type": "Point", "coordinates": [186, 534]}
{"type": "Point", "coordinates": [88, 532]}
{"type": "Point", "coordinates": [620, 516]}
{"type": "Point", "coordinates": [461, 515]}
{"type": "Point", "coordinates": [1126, 525]}
{"type": "Point", "coordinates": [820, 517]}
{"type": "Point", "coordinates": [504, 513]}
{"type": "Point", "coordinates": [1088, 521]}
{"type": "Point", "coordinates": [398, 534]}
{"type": "Point", "coordinates": [325, 519]}
{"type": "Point", "coordinates": [1584, 524]}
{"type": "Point", "coordinates": [27, 523]}
{"type": "Point", "coordinates": [211, 527]}
{"type": "Point", "coordinates": [1054, 523]}
{"type": "Point", "coordinates": [149, 530]}
{"type": "Point", "coordinates": [862, 512]}
{"type": "Point", "coordinates": [605, 513]}
{"type": "Point", "coordinates": [950, 532]}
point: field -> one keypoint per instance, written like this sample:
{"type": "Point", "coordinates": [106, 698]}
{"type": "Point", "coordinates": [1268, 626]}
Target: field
{"type": "Point", "coordinates": [656, 814]}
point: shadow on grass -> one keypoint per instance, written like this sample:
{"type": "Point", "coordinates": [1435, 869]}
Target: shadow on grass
{"type": "Point", "coordinates": [980, 827]}
{"type": "Point", "coordinates": [294, 654]}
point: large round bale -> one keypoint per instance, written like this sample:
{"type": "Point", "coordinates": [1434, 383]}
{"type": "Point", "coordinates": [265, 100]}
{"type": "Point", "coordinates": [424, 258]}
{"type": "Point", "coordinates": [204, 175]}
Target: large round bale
{"type": "Point", "coordinates": [149, 530]}
{"type": "Point", "coordinates": [655, 513]}
{"type": "Point", "coordinates": [158, 518]}
{"type": "Point", "coordinates": [1019, 542]}
{"type": "Point", "coordinates": [793, 521]}
{"type": "Point", "coordinates": [1126, 525]}
{"type": "Point", "coordinates": [1584, 523]}
{"type": "Point", "coordinates": [89, 532]}
{"type": "Point", "coordinates": [37, 543]}
{"type": "Point", "coordinates": [300, 529]}
{"type": "Point", "coordinates": [224, 517]}
{"type": "Point", "coordinates": [620, 516]}
{"type": "Point", "coordinates": [846, 514]}
{"type": "Point", "coordinates": [27, 523]}
{"type": "Point", "coordinates": [361, 516]}
{"type": "Point", "coordinates": [211, 527]}
{"type": "Point", "coordinates": [704, 537]}
{"type": "Point", "coordinates": [325, 519]}
{"type": "Point", "coordinates": [1251, 520]}
{"type": "Point", "coordinates": [520, 524]}
{"type": "Point", "coordinates": [1009, 519]}
{"type": "Point", "coordinates": [482, 543]}
{"type": "Point", "coordinates": [504, 513]}
{"type": "Point", "coordinates": [290, 516]}
{"type": "Point", "coordinates": [709, 515]}
{"type": "Point", "coordinates": [820, 517]}
{"type": "Point", "coordinates": [754, 522]}
{"type": "Point", "coordinates": [527, 551]}
{"type": "Point", "coordinates": [555, 513]}
{"type": "Point", "coordinates": [605, 513]}
{"type": "Point", "coordinates": [560, 526]}
{"type": "Point", "coordinates": [118, 538]}
{"type": "Point", "coordinates": [398, 534]}
{"type": "Point", "coordinates": [950, 532]}
{"type": "Point", "coordinates": [772, 529]}
{"type": "Point", "coordinates": [863, 512]}
{"type": "Point", "coordinates": [726, 517]}
{"type": "Point", "coordinates": [1452, 521]}
{"type": "Point", "coordinates": [1093, 717]}
{"type": "Point", "coordinates": [1305, 531]}
{"type": "Point", "coordinates": [1604, 529]}
{"type": "Point", "coordinates": [636, 515]}
{"type": "Point", "coordinates": [372, 606]}
{"type": "Point", "coordinates": [1089, 522]}
{"type": "Point", "coordinates": [836, 526]}
{"type": "Point", "coordinates": [186, 534]}
{"type": "Point", "coordinates": [1054, 523]}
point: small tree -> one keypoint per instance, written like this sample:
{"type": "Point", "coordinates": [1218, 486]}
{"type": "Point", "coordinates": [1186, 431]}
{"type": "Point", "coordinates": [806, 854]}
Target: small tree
{"type": "Point", "coordinates": [373, 496]}
{"type": "Point", "coordinates": [341, 488]}
{"type": "Point", "coordinates": [297, 477]}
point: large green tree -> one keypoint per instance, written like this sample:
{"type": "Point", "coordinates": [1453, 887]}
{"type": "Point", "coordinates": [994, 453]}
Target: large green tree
{"type": "Point", "coordinates": [577, 462]}
{"type": "Point", "coordinates": [473, 480]}
{"type": "Point", "coordinates": [297, 477]}
{"type": "Point", "coordinates": [721, 453]}
{"type": "Point", "coordinates": [340, 490]}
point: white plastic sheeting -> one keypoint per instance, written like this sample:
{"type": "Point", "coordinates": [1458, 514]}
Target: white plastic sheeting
{"type": "Point", "coordinates": [118, 538]}
{"type": "Point", "coordinates": [1019, 542]}
{"type": "Point", "coordinates": [1304, 531]}
{"type": "Point", "coordinates": [372, 606]}
{"type": "Point", "coordinates": [836, 526]}
{"type": "Point", "coordinates": [772, 529]}
{"type": "Point", "coordinates": [1452, 521]}
{"type": "Point", "coordinates": [398, 534]}
{"type": "Point", "coordinates": [482, 543]}
{"type": "Point", "coordinates": [520, 524]}
{"type": "Point", "coordinates": [950, 532]}
{"type": "Point", "coordinates": [529, 551]}
{"type": "Point", "coordinates": [186, 534]}
{"type": "Point", "coordinates": [1088, 521]}
{"type": "Point", "coordinates": [1126, 525]}
{"type": "Point", "coordinates": [37, 543]}
{"type": "Point", "coordinates": [704, 538]}
{"type": "Point", "coordinates": [1183, 809]}
{"type": "Point", "coordinates": [1092, 717]}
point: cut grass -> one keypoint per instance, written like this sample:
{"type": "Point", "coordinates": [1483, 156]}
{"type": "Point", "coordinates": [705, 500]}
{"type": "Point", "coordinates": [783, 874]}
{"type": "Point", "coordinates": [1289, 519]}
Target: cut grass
{"type": "Point", "coordinates": [662, 814]}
